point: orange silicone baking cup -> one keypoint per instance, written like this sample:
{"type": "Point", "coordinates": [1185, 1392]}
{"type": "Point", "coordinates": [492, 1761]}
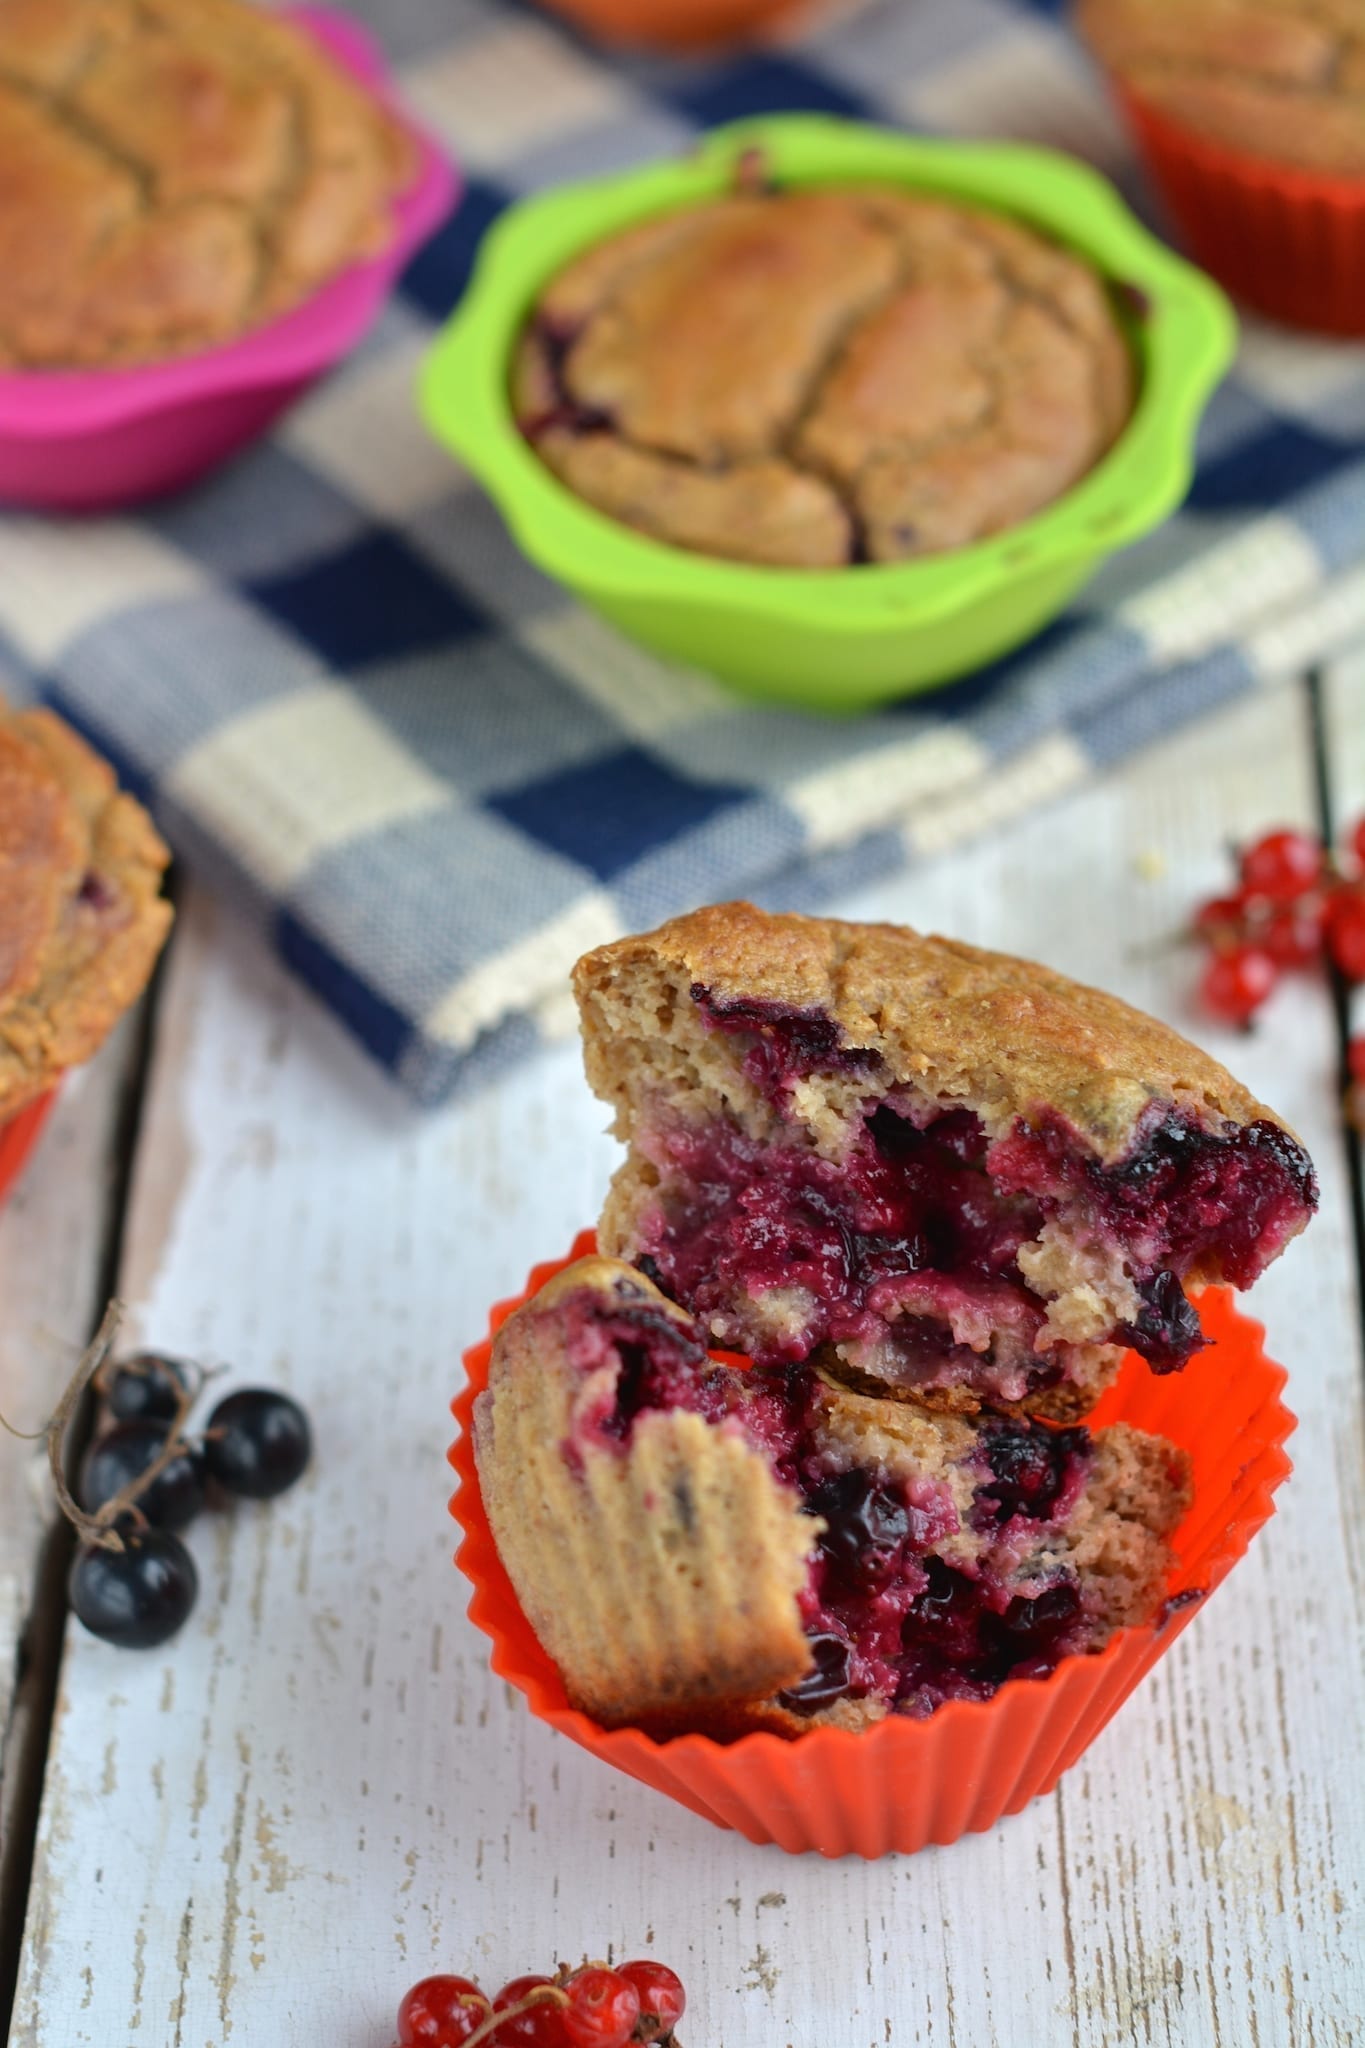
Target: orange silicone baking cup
{"type": "Point", "coordinates": [1287, 241]}
{"type": "Point", "coordinates": [904, 1783]}
{"type": "Point", "coordinates": [19, 1136]}
{"type": "Point", "coordinates": [672, 24]}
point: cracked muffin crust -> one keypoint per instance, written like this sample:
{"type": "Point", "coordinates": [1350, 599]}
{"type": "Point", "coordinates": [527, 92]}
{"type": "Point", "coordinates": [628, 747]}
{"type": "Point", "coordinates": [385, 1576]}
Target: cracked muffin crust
{"type": "Point", "coordinates": [82, 919]}
{"type": "Point", "coordinates": [950, 1175]}
{"type": "Point", "coordinates": [1278, 79]}
{"type": "Point", "coordinates": [818, 377]}
{"type": "Point", "coordinates": [172, 174]}
{"type": "Point", "coordinates": [700, 1546]}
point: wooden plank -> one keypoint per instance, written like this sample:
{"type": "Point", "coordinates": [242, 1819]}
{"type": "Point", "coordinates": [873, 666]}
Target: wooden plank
{"type": "Point", "coordinates": [318, 1793]}
{"type": "Point", "coordinates": [54, 1235]}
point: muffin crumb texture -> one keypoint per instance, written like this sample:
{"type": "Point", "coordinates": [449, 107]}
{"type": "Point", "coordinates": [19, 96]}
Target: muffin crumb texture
{"type": "Point", "coordinates": [821, 377]}
{"type": "Point", "coordinates": [705, 1547]}
{"type": "Point", "coordinates": [1279, 79]}
{"type": "Point", "coordinates": [172, 174]}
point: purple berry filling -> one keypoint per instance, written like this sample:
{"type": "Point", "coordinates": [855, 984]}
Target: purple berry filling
{"type": "Point", "coordinates": [788, 1043]}
{"type": "Point", "coordinates": [887, 1618]}
{"type": "Point", "coordinates": [911, 1243]}
{"type": "Point", "coordinates": [94, 892]}
{"type": "Point", "coordinates": [565, 414]}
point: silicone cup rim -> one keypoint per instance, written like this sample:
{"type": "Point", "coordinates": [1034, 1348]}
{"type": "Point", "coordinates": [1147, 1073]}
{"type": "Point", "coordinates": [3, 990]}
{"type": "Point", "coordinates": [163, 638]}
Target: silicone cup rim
{"type": "Point", "coordinates": [59, 405]}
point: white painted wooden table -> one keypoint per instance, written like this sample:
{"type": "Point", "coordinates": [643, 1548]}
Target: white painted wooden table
{"type": "Point", "coordinates": [261, 1834]}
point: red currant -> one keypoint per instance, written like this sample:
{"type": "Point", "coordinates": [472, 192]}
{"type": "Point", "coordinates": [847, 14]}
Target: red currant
{"type": "Point", "coordinates": [1358, 842]}
{"type": "Point", "coordinates": [1346, 934]}
{"type": "Point", "coordinates": [1355, 1057]}
{"type": "Point", "coordinates": [1281, 865]}
{"type": "Point", "coordinates": [441, 2012]}
{"type": "Point", "coordinates": [662, 1998]}
{"type": "Point", "coordinates": [1236, 983]}
{"type": "Point", "coordinates": [602, 2010]}
{"type": "Point", "coordinates": [1221, 921]}
{"type": "Point", "coordinates": [1292, 934]}
{"type": "Point", "coordinates": [540, 2026]}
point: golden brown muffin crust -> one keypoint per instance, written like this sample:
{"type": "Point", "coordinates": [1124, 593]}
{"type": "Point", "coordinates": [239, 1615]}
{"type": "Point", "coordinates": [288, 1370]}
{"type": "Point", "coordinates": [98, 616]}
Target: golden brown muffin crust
{"type": "Point", "coordinates": [662, 1578]}
{"type": "Point", "coordinates": [81, 915]}
{"type": "Point", "coordinates": [1279, 79]}
{"type": "Point", "coordinates": [1011, 1035]}
{"type": "Point", "coordinates": [172, 172]}
{"type": "Point", "coordinates": [813, 377]}
{"type": "Point", "coordinates": [674, 1026]}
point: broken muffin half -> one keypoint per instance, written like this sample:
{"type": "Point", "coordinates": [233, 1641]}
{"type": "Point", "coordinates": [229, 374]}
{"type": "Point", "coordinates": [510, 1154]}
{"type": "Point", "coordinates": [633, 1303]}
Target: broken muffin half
{"type": "Point", "coordinates": [942, 1173]}
{"type": "Point", "coordinates": [701, 1545]}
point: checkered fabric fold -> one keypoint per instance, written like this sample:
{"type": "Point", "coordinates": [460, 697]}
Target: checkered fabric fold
{"type": "Point", "coordinates": [345, 694]}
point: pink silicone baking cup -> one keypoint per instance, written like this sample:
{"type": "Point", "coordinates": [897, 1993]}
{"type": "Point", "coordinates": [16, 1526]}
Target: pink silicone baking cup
{"type": "Point", "coordinates": [903, 1784]}
{"type": "Point", "coordinates": [1289, 242]}
{"type": "Point", "coordinates": [18, 1138]}
{"type": "Point", "coordinates": [96, 440]}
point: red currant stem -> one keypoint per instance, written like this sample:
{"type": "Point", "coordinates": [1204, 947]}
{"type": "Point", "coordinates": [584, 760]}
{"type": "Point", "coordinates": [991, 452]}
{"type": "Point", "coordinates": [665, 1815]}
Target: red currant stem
{"type": "Point", "coordinates": [543, 1994]}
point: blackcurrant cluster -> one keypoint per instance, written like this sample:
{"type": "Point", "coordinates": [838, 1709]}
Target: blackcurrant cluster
{"type": "Point", "coordinates": [155, 1480]}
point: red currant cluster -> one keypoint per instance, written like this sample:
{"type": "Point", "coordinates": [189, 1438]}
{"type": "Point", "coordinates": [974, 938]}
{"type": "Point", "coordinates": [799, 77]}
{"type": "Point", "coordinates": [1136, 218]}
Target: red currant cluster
{"type": "Point", "coordinates": [1294, 902]}
{"type": "Point", "coordinates": [591, 2007]}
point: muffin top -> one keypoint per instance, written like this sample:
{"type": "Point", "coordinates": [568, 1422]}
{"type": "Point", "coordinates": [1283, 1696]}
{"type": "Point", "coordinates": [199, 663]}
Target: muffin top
{"type": "Point", "coordinates": [172, 173]}
{"type": "Point", "coordinates": [82, 917]}
{"type": "Point", "coordinates": [1281, 79]}
{"type": "Point", "coordinates": [818, 377]}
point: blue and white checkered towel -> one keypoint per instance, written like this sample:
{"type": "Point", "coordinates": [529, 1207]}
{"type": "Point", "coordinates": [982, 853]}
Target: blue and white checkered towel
{"type": "Point", "coordinates": [342, 690]}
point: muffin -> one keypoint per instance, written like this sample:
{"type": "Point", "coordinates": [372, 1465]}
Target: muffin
{"type": "Point", "coordinates": [1251, 117]}
{"type": "Point", "coordinates": [82, 919]}
{"type": "Point", "coordinates": [703, 1547]}
{"type": "Point", "coordinates": [173, 173]}
{"type": "Point", "coordinates": [941, 1173]}
{"type": "Point", "coordinates": [809, 378]}
{"type": "Point", "coordinates": [1280, 80]}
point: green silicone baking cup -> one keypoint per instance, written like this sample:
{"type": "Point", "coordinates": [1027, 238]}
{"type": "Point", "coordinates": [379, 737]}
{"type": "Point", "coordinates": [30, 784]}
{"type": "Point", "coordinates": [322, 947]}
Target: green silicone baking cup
{"type": "Point", "coordinates": [836, 640]}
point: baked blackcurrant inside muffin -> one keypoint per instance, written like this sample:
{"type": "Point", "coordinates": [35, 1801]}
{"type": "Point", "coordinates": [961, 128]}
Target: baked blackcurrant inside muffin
{"type": "Point", "coordinates": [940, 1172]}
{"type": "Point", "coordinates": [698, 1545]}
{"type": "Point", "coordinates": [813, 378]}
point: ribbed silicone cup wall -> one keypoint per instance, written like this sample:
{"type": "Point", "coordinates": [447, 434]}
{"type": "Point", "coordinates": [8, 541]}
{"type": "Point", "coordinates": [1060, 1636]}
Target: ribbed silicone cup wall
{"type": "Point", "coordinates": [18, 1138]}
{"type": "Point", "coordinates": [1287, 241]}
{"type": "Point", "coordinates": [903, 1783]}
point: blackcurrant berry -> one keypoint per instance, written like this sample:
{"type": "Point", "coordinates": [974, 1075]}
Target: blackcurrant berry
{"type": "Point", "coordinates": [123, 1454]}
{"type": "Point", "coordinates": [136, 1597]}
{"type": "Point", "coordinates": [147, 1387]}
{"type": "Point", "coordinates": [865, 1526]}
{"type": "Point", "coordinates": [257, 1443]}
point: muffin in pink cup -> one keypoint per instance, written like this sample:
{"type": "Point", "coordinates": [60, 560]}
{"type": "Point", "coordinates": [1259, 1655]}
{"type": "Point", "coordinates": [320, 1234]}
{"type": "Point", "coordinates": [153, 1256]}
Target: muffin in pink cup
{"type": "Point", "coordinates": [163, 295]}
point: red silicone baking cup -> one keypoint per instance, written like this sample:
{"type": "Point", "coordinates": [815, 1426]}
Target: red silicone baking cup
{"type": "Point", "coordinates": [903, 1783]}
{"type": "Point", "coordinates": [1287, 241]}
{"type": "Point", "coordinates": [18, 1138]}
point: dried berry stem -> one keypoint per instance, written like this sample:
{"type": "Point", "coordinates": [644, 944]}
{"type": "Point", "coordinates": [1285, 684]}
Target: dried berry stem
{"type": "Point", "coordinates": [544, 1994]}
{"type": "Point", "coordinates": [99, 1528]}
